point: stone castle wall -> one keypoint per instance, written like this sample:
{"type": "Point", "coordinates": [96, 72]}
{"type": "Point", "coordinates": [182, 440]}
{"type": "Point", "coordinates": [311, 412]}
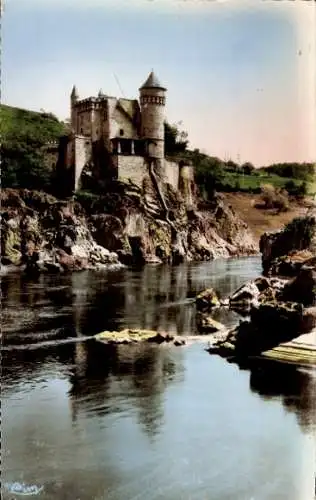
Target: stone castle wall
{"type": "Point", "coordinates": [132, 168]}
{"type": "Point", "coordinates": [109, 118]}
{"type": "Point", "coordinates": [121, 122]}
{"type": "Point", "coordinates": [82, 154]}
{"type": "Point", "coordinates": [135, 168]}
{"type": "Point", "coordinates": [103, 119]}
{"type": "Point", "coordinates": [84, 123]}
{"type": "Point", "coordinates": [171, 173]}
{"type": "Point", "coordinates": [186, 184]}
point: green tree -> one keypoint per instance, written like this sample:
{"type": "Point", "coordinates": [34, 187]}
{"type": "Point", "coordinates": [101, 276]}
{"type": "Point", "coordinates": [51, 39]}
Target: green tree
{"type": "Point", "coordinates": [176, 140]}
{"type": "Point", "coordinates": [247, 168]}
{"type": "Point", "coordinates": [209, 172]}
{"type": "Point", "coordinates": [24, 136]}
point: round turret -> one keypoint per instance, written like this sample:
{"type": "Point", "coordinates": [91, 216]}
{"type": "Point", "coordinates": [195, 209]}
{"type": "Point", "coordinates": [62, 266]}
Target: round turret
{"type": "Point", "coordinates": [152, 104]}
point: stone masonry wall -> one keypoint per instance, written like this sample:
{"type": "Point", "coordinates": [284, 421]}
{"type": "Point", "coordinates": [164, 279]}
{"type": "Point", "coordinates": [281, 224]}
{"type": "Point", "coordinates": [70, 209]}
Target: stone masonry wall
{"type": "Point", "coordinates": [186, 184]}
{"type": "Point", "coordinates": [82, 156]}
{"type": "Point", "coordinates": [171, 174]}
{"type": "Point", "coordinates": [83, 122]}
{"type": "Point", "coordinates": [131, 167]}
{"type": "Point", "coordinates": [120, 121]}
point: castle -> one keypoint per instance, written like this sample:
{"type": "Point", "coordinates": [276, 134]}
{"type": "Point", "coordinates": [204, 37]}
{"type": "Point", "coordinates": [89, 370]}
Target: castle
{"type": "Point", "coordinates": [131, 132]}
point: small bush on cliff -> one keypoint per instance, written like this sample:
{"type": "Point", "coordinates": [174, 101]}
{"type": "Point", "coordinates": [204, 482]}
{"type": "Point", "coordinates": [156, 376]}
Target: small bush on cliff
{"type": "Point", "coordinates": [87, 200]}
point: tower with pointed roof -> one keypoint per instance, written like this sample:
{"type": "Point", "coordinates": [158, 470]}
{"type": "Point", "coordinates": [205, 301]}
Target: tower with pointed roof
{"type": "Point", "coordinates": [74, 97]}
{"type": "Point", "coordinates": [120, 138]}
{"type": "Point", "coordinates": [152, 105]}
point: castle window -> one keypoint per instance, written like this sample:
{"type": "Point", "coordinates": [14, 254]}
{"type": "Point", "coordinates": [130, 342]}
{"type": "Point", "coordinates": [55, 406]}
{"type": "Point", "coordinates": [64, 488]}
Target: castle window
{"type": "Point", "coordinates": [121, 132]}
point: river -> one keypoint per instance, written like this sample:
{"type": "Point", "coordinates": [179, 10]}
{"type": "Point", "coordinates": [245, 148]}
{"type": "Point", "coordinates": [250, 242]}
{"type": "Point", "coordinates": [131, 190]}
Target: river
{"type": "Point", "coordinates": [83, 421]}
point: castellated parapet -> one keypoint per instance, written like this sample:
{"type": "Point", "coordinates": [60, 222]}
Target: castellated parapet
{"type": "Point", "coordinates": [131, 132]}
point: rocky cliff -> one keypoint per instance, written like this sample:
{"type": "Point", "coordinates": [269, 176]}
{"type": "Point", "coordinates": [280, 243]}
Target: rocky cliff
{"type": "Point", "coordinates": [127, 225]}
{"type": "Point", "coordinates": [286, 251]}
{"type": "Point", "coordinates": [280, 306]}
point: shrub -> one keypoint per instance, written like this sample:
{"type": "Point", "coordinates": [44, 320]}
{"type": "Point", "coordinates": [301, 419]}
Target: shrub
{"type": "Point", "coordinates": [274, 198]}
{"type": "Point", "coordinates": [301, 229]}
{"type": "Point", "coordinates": [295, 189]}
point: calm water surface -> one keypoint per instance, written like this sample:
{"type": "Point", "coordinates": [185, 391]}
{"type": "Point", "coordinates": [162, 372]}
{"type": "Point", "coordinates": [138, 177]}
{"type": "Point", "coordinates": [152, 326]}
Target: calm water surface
{"type": "Point", "coordinates": [87, 422]}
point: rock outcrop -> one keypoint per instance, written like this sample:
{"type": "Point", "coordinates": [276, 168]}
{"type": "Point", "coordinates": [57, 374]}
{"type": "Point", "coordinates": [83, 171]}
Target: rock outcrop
{"type": "Point", "coordinates": [279, 308]}
{"type": "Point", "coordinates": [286, 251]}
{"type": "Point", "coordinates": [134, 336]}
{"type": "Point", "coordinates": [207, 300]}
{"type": "Point", "coordinates": [44, 234]}
{"type": "Point", "coordinates": [128, 224]}
{"type": "Point", "coordinates": [145, 232]}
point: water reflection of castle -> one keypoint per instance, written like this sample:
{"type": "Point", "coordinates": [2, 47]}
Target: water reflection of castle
{"type": "Point", "coordinates": [158, 298]}
{"type": "Point", "coordinates": [155, 298]}
{"type": "Point", "coordinates": [115, 377]}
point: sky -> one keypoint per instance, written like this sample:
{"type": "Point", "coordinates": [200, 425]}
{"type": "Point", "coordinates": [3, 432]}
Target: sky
{"type": "Point", "coordinates": [240, 74]}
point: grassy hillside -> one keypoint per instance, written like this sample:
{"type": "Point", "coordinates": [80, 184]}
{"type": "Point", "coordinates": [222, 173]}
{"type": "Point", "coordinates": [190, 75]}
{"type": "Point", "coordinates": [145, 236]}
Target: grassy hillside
{"type": "Point", "coordinates": [16, 122]}
{"type": "Point", "coordinates": [24, 135]}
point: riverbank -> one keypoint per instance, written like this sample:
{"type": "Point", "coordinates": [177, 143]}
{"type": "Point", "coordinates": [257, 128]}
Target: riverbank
{"type": "Point", "coordinates": [279, 305]}
{"type": "Point", "coordinates": [261, 221]}
{"type": "Point", "coordinates": [127, 225]}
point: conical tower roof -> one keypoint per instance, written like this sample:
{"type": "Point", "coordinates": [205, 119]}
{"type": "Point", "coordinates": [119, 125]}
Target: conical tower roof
{"type": "Point", "coordinates": [152, 82]}
{"type": "Point", "coordinates": [74, 92]}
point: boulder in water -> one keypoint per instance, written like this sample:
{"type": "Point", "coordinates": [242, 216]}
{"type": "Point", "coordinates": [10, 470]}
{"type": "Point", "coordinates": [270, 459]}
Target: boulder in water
{"type": "Point", "coordinates": [207, 299]}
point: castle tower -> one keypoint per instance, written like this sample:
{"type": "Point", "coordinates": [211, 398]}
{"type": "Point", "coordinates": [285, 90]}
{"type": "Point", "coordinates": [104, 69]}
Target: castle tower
{"type": "Point", "coordinates": [152, 105]}
{"type": "Point", "coordinates": [74, 97]}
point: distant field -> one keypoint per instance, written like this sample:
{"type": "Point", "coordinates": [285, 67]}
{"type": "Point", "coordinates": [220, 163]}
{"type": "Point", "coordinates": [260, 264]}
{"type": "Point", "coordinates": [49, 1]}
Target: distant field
{"type": "Point", "coordinates": [255, 181]}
